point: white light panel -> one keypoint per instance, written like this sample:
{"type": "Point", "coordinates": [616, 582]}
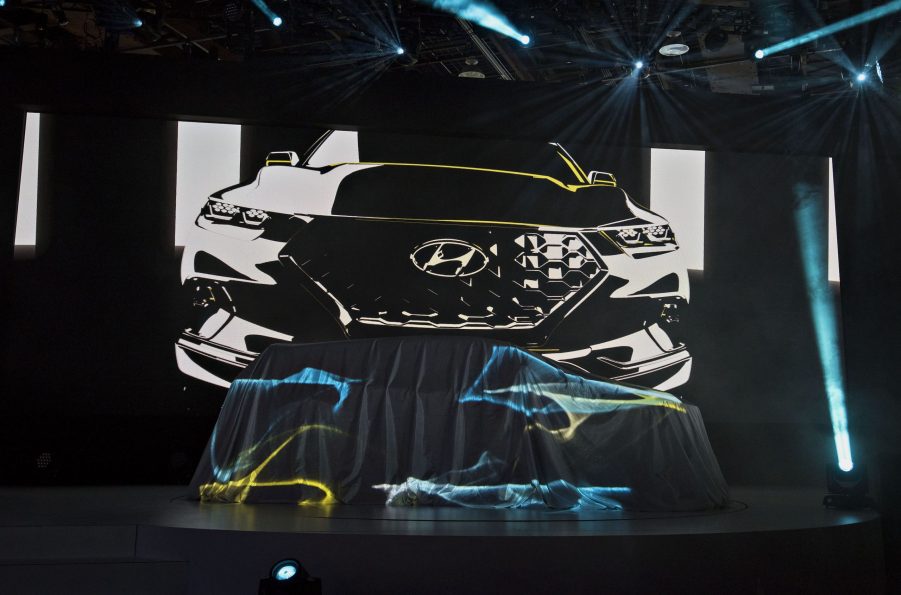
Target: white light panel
{"type": "Point", "coordinates": [209, 159]}
{"type": "Point", "coordinates": [677, 193]}
{"type": "Point", "coordinates": [27, 213]}
{"type": "Point", "coordinates": [833, 234]}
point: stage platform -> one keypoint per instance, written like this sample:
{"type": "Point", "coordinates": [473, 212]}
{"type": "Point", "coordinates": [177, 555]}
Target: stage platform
{"type": "Point", "coordinates": [152, 540]}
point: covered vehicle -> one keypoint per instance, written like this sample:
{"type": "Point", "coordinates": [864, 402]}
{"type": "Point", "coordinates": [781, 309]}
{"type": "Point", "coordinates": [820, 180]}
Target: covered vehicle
{"type": "Point", "coordinates": [363, 239]}
{"type": "Point", "coordinates": [451, 421]}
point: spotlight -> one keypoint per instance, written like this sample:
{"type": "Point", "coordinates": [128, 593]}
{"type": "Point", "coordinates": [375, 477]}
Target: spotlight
{"type": "Point", "coordinates": [639, 65]}
{"type": "Point", "coordinates": [759, 54]}
{"type": "Point", "coordinates": [138, 23]}
{"type": "Point", "coordinates": [277, 21]}
{"type": "Point", "coordinates": [400, 51]}
{"type": "Point", "coordinates": [525, 39]}
{"type": "Point", "coordinates": [847, 487]}
{"type": "Point", "coordinates": [288, 577]}
{"type": "Point", "coordinates": [861, 77]}
{"type": "Point", "coordinates": [285, 570]}
{"type": "Point", "coordinates": [2, 3]}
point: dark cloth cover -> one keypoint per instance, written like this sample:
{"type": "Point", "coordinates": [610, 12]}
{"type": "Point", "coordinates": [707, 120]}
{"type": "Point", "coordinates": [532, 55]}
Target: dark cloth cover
{"type": "Point", "coordinates": [451, 421]}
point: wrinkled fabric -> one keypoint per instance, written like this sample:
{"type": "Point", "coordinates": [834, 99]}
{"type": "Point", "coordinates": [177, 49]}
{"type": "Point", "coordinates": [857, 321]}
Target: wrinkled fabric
{"type": "Point", "coordinates": [451, 421]}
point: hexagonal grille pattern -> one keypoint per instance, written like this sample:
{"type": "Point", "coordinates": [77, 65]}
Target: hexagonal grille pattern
{"type": "Point", "coordinates": [555, 266]}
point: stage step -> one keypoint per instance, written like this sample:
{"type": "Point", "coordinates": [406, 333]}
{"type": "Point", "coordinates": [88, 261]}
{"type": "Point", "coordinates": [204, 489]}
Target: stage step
{"type": "Point", "coordinates": [133, 576]}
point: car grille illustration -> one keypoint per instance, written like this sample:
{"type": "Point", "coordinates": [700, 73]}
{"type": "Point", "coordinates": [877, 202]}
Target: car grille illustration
{"type": "Point", "coordinates": [322, 248]}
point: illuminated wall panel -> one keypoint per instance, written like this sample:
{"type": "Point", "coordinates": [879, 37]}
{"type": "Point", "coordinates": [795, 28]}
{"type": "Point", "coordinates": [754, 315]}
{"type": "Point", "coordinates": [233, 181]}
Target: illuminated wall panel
{"type": "Point", "coordinates": [209, 159]}
{"type": "Point", "coordinates": [833, 235]}
{"type": "Point", "coordinates": [677, 193]}
{"type": "Point", "coordinates": [26, 215]}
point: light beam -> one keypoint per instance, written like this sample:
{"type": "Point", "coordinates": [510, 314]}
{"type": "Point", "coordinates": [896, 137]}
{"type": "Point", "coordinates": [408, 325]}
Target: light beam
{"type": "Point", "coordinates": [859, 19]}
{"type": "Point", "coordinates": [483, 14]}
{"type": "Point", "coordinates": [810, 223]}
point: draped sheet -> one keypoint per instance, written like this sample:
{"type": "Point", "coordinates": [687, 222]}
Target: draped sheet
{"type": "Point", "coordinates": [451, 421]}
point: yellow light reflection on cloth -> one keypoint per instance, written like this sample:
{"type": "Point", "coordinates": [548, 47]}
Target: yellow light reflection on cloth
{"type": "Point", "coordinates": [237, 490]}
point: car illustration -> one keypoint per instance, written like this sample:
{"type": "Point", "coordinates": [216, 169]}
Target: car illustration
{"type": "Point", "coordinates": [361, 238]}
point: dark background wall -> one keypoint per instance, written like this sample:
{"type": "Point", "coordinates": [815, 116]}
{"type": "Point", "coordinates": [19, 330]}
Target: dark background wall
{"type": "Point", "coordinates": [88, 353]}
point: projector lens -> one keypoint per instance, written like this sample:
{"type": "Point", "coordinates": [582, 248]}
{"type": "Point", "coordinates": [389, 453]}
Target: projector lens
{"type": "Point", "coordinates": [285, 570]}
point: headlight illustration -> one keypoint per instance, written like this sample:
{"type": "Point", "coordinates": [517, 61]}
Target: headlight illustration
{"type": "Point", "coordinates": [228, 213]}
{"type": "Point", "coordinates": [660, 236]}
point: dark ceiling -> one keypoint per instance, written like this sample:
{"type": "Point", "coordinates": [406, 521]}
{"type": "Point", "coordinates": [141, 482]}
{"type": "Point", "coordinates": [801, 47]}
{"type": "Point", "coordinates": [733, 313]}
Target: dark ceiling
{"type": "Point", "coordinates": [575, 41]}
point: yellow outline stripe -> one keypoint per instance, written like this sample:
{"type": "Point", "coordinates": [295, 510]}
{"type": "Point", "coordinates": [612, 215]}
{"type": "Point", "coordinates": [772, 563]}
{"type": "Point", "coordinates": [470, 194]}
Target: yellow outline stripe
{"type": "Point", "coordinates": [577, 171]}
{"type": "Point", "coordinates": [569, 187]}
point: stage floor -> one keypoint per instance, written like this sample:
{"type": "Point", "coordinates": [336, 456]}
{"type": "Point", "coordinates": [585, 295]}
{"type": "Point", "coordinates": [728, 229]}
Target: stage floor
{"type": "Point", "coordinates": [768, 540]}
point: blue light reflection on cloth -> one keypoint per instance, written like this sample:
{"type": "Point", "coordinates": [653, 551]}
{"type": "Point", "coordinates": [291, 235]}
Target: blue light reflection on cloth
{"type": "Point", "coordinates": [306, 376]}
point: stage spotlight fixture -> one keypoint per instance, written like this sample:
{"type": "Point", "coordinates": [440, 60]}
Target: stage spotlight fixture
{"type": "Point", "coordinates": [847, 488]}
{"type": "Point", "coordinates": [858, 19]}
{"type": "Point", "coordinates": [861, 77]}
{"type": "Point", "coordinates": [525, 40]}
{"type": "Point", "coordinates": [639, 65]}
{"type": "Point", "coordinates": [277, 21]}
{"type": "Point", "coordinates": [138, 23]}
{"type": "Point", "coordinates": [288, 577]}
{"type": "Point", "coordinates": [285, 570]}
{"type": "Point", "coordinates": [400, 51]}
{"type": "Point", "coordinates": [759, 54]}
{"type": "Point", "coordinates": [2, 3]}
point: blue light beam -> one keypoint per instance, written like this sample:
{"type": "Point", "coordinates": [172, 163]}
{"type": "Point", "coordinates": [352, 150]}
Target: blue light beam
{"type": "Point", "coordinates": [859, 19]}
{"type": "Point", "coordinates": [483, 14]}
{"type": "Point", "coordinates": [810, 224]}
{"type": "Point", "coordinates": [270, 14]}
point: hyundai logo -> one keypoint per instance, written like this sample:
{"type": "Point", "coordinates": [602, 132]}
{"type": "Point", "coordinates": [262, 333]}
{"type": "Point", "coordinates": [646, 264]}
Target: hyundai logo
{"type": "Point", "coordinates": [449, 258]}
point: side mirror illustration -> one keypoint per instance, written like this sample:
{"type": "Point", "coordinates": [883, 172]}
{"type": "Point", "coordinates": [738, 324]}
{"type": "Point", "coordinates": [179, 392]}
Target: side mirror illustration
{"type": "Point", "coordinates": [282, 158]}
{"type": "Point", "coordinates": [601, 177]}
